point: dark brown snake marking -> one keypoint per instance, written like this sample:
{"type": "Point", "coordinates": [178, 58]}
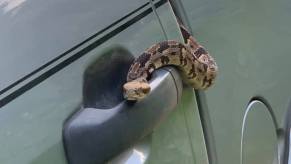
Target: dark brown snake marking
{"type": "Point", "coordinates": [198, 68]}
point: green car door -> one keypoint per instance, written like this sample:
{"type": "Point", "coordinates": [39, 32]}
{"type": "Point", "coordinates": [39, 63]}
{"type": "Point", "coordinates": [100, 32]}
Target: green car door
{"type": "Point", "coordinates": [48, 50]}
{"type": "Point", "coordinates": [248, 108]}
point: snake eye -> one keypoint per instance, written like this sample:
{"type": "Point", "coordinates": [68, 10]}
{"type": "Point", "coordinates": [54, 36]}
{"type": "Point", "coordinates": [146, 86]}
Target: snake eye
{"type": "Point", "coordinates": [146, 90]}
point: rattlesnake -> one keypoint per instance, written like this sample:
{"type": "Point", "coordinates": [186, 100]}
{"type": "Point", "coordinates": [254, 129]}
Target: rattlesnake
{"type": "Point", "coordinates": [197, 67]}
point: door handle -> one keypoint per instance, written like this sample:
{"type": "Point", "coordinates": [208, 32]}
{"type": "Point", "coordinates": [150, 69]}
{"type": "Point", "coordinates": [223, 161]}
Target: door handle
{"type": "Point", "coordinates": [95, 135]}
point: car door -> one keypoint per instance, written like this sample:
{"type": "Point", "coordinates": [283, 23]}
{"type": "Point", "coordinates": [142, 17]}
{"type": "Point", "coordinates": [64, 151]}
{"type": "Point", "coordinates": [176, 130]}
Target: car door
{"type": "Point", "coordinates": [51, 49]}
{"type": "Point", "coordinates": [247, 109]}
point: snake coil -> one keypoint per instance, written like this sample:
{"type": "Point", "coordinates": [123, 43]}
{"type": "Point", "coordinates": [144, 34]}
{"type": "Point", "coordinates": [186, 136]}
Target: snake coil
{"type": "Point", "coordinates": [197, 67]}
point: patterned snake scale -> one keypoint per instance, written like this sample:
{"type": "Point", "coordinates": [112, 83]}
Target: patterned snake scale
{"type": "Point", "coordinates": [197, 67]}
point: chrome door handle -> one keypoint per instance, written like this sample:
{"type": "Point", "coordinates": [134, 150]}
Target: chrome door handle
{"type": "Point", "coordinates": [95, 135]}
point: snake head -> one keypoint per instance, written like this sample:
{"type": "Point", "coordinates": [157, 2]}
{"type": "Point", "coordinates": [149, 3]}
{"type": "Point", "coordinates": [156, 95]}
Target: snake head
{"type": "Point", "coordinates": [135, 90]}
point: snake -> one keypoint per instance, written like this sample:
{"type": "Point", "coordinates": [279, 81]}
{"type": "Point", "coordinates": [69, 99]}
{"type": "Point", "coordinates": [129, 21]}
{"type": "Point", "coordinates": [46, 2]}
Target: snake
{"type": "Point", "coordinates": [197, 68]}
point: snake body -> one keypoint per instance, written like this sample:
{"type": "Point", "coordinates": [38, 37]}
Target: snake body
{"type": "Point", "coordinates": [197, 67]}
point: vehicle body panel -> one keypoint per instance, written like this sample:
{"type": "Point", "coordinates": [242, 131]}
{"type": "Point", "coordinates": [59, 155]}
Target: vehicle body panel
{"type": "Point", "coordinates": [49, 90]}
{"type": "Point", "coordinates": [250, 41]}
